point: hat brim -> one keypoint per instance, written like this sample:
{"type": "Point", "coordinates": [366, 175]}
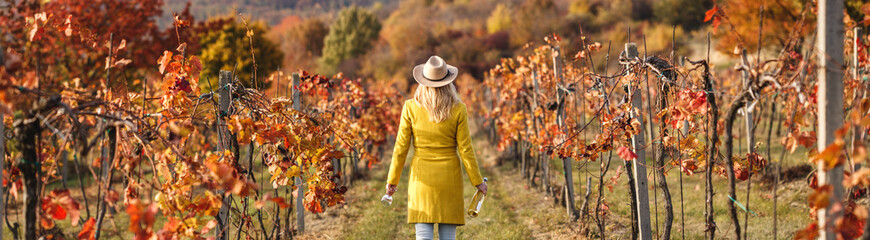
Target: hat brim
{"type": "Point", "coordinates": [452, 73]}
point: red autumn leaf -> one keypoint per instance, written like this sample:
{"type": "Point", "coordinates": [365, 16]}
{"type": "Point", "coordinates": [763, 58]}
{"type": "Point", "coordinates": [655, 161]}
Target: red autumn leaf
{"type": "Point", "coordinates": [851, 226]}
{"type": "Point", "coordinates": [37, 30]}
{"type": "Point", "coordinates": [711, 13]}
{"type": "Point", "coordinates": [55, 211]}
{"type": "Point", "coordinates": [807, 139]}
{"type": "Point", "coordinates": [580, 55]}
{"type": "Point", "coordinates": [741, 174]}
{"type": "Point", "coordinates": [112, 196]}
{"type": "Point", "coordinates": [626, 154]}
{"type": "Point", "coordinates": [714, 16]}
{"type": "Point", "coordinates": [604, 209]}
{"type": "Point", "coordinates": [180, 22]}
{"type": "Point", "coordinates": [195, 66]}
{"type": "Point", "coordinates": [282, 203]}
{"type": "Point", "coordinates": [181, 84]}
{"type": "Point", "coordinates": [88, 230]}
{"type": "Point", "coordinates": [59, 203]}
{"type": "Point", "coordinates": [688, 166]}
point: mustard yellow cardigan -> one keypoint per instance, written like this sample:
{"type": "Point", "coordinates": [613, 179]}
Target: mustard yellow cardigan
{"type": "Point", "coordinates": [435, 188]}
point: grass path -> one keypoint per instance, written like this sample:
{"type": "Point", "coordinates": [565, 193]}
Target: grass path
{"type": "Point", "coordinates": [511, 211]}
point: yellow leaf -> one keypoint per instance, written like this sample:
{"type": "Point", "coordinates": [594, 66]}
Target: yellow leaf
{"type": "Point", "coordinates": [830, 157]}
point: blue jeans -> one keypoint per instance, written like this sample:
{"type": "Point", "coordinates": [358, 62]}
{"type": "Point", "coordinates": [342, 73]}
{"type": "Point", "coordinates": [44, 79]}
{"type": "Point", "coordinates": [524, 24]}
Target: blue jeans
{"type": "Point", "coordinates": [426, 231]}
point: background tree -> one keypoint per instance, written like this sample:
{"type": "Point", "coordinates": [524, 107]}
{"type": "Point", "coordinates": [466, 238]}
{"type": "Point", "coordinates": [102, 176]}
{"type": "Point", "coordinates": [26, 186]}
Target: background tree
{"type": "Point", "coordinates": [500, 19]}
{"type": "Point", "coordinates": [688, 14]}
{"type": "Point", "coordinates": [534, 18]}
{"type": "Point", "coordinates": [780, 17]}
{"type": "Point", "coordinates": [224, 49]}
{"type": "Point", "coordinates": [310, 34]}
{"type": "Point", "coordinates": [349, 36]}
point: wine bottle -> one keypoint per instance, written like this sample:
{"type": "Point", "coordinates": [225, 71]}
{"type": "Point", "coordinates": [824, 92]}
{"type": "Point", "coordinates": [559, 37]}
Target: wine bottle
{"type": "Point", "coordinates": [387, 200]}
{"type": "Point", "coordinates": [476, 202]}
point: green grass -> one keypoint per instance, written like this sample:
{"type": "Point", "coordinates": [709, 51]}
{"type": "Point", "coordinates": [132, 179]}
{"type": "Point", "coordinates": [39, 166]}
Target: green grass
{"type": "Point", "coordinates": [792, 196]}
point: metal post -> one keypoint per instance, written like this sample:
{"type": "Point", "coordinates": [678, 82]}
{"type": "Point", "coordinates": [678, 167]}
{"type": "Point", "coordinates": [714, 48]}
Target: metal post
{"type": "Point", "coordinates": [830, 105]}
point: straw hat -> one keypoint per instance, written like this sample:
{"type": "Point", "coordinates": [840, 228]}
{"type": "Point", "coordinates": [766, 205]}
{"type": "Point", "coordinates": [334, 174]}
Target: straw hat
{"type": "Point", "coordinates": [435, 73]}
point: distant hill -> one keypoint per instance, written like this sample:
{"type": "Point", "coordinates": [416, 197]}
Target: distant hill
{"type": "Point", "coordinates": [270, 11]}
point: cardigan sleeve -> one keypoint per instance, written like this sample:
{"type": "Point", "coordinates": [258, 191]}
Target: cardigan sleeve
{"type": "Point", "coordinates": [466, 151]}
{"type": "Point", "coordinates": [400, 151]}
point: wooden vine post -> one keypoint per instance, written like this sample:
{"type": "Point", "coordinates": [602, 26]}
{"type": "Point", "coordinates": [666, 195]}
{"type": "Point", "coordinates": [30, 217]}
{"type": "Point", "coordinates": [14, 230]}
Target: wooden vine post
{"type": "Point", "coordinates": [637, 145]}
{"type": "Point", "coordinates": [566, 162]}
{"type": "Point", "coordinates": [747, 109]}
{"type": "Point", "coordinates": [108, 152]}
{"type": "Point", "coordinates": [225, 99]}
{"type": "Point", "coordinates": [830, 106]}
{"type": "Point", "coordinates": [300, 185]}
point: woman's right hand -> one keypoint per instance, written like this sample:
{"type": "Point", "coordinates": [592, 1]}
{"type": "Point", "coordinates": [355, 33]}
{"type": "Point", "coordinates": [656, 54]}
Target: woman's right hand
{"type": "Point", "coordinates": [390, 189]}
{"type": "Point", "coordinates": [482, 187]}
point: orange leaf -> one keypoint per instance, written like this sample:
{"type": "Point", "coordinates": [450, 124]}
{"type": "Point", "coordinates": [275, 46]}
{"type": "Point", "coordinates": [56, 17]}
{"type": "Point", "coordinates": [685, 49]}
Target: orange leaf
{"type": "Point", "coordinates": [861, 178]}
{"type": "Point", "coordinates": [141, 218]}
{"type": "Point", "coordinates": [46, 223]}
{"type": "Point", "coordinates": [809, 233]}
{"type": "Point", "coordinates": [122, 45]}
{"type": "Point", "coordinates": [88, 230]}
{"type": "Point", "coordinates": [830, 157]}
{"type": "Point", "coordinates": [67, 27]}
{"type": "Point", "coordinates": [711, 13]}
{"type": "Point", "coordinates": [164, 60]}
{"type": "Point", "coordinates": [122, 63]}
{"type": "Point", "coordinates": [821, 197]}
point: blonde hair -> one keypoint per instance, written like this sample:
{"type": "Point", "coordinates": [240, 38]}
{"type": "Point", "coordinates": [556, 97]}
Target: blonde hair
{"type": "Point", "coordinates": [438, 100]}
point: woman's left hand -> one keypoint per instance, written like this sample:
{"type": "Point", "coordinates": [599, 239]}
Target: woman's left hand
{"type": "Point", "coordinates": [390, 189]}
{"type": "Point", "coordinates": [482, 188]}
